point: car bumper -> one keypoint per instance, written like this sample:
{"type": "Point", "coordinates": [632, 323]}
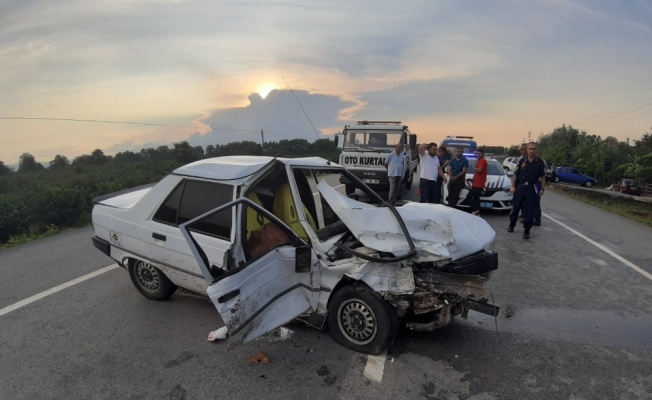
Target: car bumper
{"type": "Point", "coordinates": [500, 200]}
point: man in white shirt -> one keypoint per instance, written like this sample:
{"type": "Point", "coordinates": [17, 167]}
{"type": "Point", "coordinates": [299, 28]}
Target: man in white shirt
{"type": "Point", "coordinates": [394, 165]}
{"type": "Point", "coordinates": [429, 172]}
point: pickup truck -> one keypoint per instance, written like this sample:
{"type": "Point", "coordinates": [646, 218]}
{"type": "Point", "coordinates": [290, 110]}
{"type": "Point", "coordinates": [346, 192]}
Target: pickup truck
{"type": "Point", "coordinates": [271, 239]}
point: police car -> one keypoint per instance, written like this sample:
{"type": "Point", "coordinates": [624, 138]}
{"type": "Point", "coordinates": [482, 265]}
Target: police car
{"type": "Point", "coordinates": [496, 195]}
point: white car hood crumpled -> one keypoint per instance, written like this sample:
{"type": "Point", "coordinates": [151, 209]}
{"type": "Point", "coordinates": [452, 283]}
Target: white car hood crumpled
{"type": "Point", "coordinates": [438, 232]}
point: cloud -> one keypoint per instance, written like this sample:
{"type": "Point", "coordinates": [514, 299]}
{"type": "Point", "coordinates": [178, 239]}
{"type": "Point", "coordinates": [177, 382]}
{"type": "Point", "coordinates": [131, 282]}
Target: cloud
{"type": "Point", "coordinates": [279, 115]}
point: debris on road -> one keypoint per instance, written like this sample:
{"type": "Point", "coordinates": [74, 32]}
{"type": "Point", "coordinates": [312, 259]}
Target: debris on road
{"type": "Point", "coordinates": [259, 358]}
{"type": "Point", "coordinates": [219, 334]}
{"type": "Point", "coordinates": [278, 335]}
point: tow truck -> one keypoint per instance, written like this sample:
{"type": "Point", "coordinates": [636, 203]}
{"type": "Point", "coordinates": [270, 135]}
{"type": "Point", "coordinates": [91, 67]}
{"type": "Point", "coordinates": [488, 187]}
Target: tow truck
{"type": "Point", "coordinates": [366, 145]}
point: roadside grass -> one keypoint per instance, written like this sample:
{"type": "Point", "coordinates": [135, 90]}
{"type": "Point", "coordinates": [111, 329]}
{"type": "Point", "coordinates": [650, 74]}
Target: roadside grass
{"type": "Point", "coordinates": [50, 230]}
{"type": "Point", "coordinates": [625, 207]}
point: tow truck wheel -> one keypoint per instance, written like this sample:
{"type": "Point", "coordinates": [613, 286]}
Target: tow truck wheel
{"type": "Point", "coordinates": [361, 320]}
{"type": "Point", "coordinates": [150, 281]}
{"type": "Point", "coordinates": [408, 182]}
{"type": "Point", "coordinates": [349, 189]}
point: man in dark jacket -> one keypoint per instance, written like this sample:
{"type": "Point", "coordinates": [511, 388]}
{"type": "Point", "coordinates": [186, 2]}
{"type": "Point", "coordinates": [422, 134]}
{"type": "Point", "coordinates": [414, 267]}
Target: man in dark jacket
{"type": "Point", "coordinates": [529, 172]}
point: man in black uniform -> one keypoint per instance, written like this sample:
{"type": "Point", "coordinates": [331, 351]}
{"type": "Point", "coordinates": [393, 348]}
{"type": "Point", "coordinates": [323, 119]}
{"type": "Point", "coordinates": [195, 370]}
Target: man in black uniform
{"type": "Point", "coordinates": [528, 172]}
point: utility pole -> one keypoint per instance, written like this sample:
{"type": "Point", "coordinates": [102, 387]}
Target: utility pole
{"type": "Point", "coordinates": [529, 136]}
{"type": "Point", "coordinates": [262, 139]}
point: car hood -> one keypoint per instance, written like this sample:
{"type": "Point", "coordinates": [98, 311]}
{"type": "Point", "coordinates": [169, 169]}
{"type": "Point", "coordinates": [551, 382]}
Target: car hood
{"type": "Point", "coordinates": [438, 232]}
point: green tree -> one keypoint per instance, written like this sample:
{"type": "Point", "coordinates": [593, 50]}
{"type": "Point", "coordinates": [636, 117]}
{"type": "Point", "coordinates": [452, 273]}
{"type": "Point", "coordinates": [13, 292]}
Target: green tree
{"type": "Point", "coordinates": [98, 157]}
{"type": "Point", "coordinates": [127, 157]}
{"type": "Point", "coordinates": [643, 146]}
{"type": "Point", "coordinates": [4, 169]}
{"type": "Point", "coordinates": [59, 162]}
{"type": "Point", "coordinates": [185, 153]}
{"type": "Point", "coordinates": [27, 162]}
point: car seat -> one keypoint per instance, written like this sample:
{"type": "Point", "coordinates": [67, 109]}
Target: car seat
{"type": "Point", "coordinates": [255, 220]}
{"type": "Point", "coordinates": [285, 210]}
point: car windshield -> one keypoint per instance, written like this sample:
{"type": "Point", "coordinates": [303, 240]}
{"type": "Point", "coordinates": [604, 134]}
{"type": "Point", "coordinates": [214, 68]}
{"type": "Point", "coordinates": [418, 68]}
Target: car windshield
{"type": "Point", "coordinates": [494, 167]}
{"type": "Point", "coordinates": [376, 138]}
{"type": "Point", "coordinates": [326, 221]}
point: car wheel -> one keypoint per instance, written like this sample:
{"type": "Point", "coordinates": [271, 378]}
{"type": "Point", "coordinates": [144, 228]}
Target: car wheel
{"type": "Point", "coordinates": [349, 189]}
{"type": "Point", "coordinates": [588, 184]}
{"type": "Point", "coordinates": [150, 281]}
{"type": "Point", "coordinates": [556, 179]}
{"type": "Point", "coordinates": [361, 320]}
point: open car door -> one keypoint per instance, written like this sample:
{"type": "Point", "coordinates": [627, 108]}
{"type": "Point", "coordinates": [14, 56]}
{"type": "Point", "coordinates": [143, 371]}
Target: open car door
{"type": "Point", "coordinates": [277, 282]}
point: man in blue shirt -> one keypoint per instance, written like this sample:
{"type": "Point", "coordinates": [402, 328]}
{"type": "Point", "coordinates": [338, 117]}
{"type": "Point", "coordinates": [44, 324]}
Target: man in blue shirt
{"type": "Point", "coordinates": [394, 165]}
{"type": "Point", "coordinates": [457, 168]}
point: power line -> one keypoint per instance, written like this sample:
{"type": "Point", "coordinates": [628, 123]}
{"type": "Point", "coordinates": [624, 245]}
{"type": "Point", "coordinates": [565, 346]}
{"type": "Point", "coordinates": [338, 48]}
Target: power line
{"type": "Point", "coordinates": [619, 114]}
{"type": "Point", "coordinates": [96, 121]}
{"type": "Point", "coordinates": [614, 110]}
{"type": "Point", "coordinates": [143, 123]}
{"type": "Point", "coordinates": [302, 109]}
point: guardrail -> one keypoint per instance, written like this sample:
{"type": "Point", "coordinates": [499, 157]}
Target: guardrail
{"type": "Point", "coordinates": [646, 187]}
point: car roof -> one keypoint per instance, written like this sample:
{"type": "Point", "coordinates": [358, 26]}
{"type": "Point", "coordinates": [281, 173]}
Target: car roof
{"type": "Point", "coordinates": [240, 168]}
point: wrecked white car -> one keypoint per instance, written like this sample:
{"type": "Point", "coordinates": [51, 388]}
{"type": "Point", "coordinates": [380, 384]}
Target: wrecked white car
{"type": "Point", "coordinates": [272, 239]}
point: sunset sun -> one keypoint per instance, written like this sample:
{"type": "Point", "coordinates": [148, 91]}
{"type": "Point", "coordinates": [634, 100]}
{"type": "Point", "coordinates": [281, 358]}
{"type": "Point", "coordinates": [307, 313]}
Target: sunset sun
{"type": "Point", "coordinates": [264, 90]}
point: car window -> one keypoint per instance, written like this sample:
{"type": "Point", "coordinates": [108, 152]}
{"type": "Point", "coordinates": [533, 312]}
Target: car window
{"type": "Point", "coordinates": [494, 167]}
{"type": "Point", "coordinates": [193, 198]}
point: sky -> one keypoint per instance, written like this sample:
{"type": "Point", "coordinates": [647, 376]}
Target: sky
{"type": "Point", "coordinates": [212, 72]}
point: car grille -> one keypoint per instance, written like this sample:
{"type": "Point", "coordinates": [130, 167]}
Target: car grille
{"type": "Point", "coordinates": [475, 264]}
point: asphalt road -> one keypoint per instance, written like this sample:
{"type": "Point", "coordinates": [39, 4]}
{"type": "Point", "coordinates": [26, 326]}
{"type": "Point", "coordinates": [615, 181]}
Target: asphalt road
{"type": "Point", "coordinates": [576, 323]}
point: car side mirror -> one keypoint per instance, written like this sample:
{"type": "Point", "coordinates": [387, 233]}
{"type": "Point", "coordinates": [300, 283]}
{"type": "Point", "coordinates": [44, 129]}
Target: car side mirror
{"type": "Point", "coordinates": [510, 173]}
{"type": "Point", "coordinates": [302, 259]}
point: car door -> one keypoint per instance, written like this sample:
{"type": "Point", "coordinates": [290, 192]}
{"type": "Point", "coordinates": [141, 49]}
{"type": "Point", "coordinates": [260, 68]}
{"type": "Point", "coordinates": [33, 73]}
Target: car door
{"type": "Point", "coordinates": [271, 286]}
{"type": "Point", "coordinates": [189, 199]}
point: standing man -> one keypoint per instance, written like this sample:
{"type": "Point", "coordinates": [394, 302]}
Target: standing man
{"type": "Point", "coordinates": [444, 158]}
{"type": "Point", "coordinates": [529, 171]}
{"type": "Point", "coordinates": [429, 172]}
{"type": "Point", "coordinates": [394, 166]}
{"type": "Point", "coordinates": [457, 172]}
{"type": "Point", "coordinates": [479, 180]}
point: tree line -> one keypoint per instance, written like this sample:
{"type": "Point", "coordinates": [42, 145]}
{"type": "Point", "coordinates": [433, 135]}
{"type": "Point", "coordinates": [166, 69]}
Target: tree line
{"type": "Point", "coordinates": [608, 160]}
{"type": "Point", "coordinates": [34, 199]}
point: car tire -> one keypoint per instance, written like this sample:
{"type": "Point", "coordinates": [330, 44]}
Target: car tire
{"type": "Point", "coordinates": [349, 189]}
{"type": "Point", "coordinates": [361, 320]}
{"type": "Point", "coordinates": [589, 184]}
{"type": "Point", "coordinates": [150, 281]}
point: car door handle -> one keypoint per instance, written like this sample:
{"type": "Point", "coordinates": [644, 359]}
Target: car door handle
{"type": "Point", "coordinates": [158, 236]}
{"type": "Point", "coordinates": [228, 296]}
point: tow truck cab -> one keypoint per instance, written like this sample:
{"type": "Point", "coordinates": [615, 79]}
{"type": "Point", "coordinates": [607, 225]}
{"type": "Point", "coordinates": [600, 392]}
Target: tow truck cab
{"type": "Point", "coordinates": [365, 147]}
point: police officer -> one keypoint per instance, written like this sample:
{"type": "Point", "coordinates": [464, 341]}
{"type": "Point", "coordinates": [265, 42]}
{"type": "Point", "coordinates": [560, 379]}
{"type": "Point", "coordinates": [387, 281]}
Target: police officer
{"type": "Point", "coordinates": [529, 171]}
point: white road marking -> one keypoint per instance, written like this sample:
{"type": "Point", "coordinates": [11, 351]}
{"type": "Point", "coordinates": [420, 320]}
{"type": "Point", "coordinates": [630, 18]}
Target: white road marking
{"type": "Point", "coordinates": [375, 367]}
{"type": "Point", "coordinates": [603, 248]}
{"type": "Point", "coordinates": [55, 289]}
